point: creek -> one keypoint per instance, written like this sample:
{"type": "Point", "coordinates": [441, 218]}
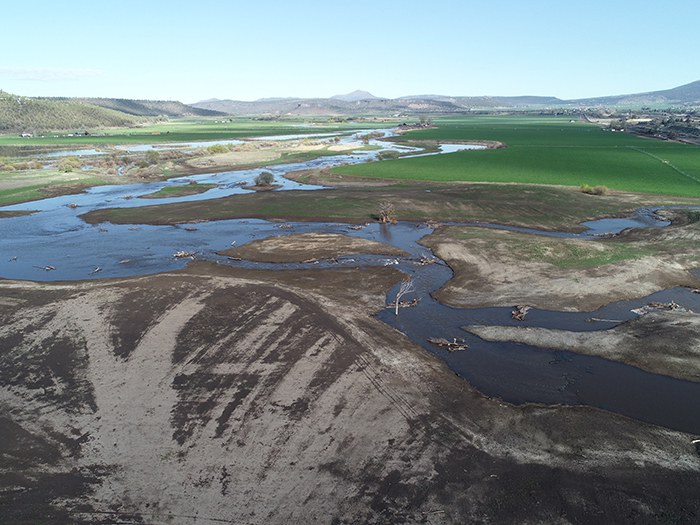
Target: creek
{"type": "Point", "coordinates": [56, 236]}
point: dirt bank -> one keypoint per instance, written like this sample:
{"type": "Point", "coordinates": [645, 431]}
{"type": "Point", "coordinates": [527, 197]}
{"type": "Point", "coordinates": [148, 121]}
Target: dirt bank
{"type": "Point", "coordinates": [308, 246]}
{"type": "Point", "coordinates": [506, 268]}
{"type": "Point", "coordinates": [19, 213]}
{"type": "Point", "coordinates": [236, 396]}
{"type": "Point", "coordinates": [665, 343]}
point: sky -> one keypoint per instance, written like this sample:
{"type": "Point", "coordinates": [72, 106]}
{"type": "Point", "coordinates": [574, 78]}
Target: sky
{"type": "Point", "coordinates": [245, 50]}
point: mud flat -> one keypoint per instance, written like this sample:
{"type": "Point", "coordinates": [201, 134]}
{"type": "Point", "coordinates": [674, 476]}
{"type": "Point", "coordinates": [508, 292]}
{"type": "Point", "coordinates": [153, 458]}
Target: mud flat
{"type": "Point", "coordinates": [506, 268]}
{"type": "Point", "coordinates": [309, 246]}
{"type": "Point", "coordinates": [260, 397]}
{"type": "Point", "coordinates": [8, 214]}
{"type": "Point", "coordinates": [665, 343]}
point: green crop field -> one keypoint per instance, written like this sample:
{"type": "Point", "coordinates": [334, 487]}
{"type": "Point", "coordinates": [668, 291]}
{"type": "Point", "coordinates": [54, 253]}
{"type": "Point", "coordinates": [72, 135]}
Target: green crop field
{"type": "Point", "coordinates": [186, 130]}
{"type": "Point", "coordinates": [547, 151]}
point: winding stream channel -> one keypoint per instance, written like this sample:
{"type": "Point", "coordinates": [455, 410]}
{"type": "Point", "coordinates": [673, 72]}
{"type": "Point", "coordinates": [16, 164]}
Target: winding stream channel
{"type": "Point", "coordinates": [55, 235]}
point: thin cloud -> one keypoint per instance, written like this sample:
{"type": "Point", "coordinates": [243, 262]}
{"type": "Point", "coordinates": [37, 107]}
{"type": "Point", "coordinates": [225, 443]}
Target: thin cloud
{"type": "Point", "coordinates": [47, 74]}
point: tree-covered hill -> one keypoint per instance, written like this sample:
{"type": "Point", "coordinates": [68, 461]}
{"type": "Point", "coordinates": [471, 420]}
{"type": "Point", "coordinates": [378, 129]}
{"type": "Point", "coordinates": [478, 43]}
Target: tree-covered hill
{"type": "Point", "coordinates": [146, 108]}
{"type": "Point", "coordinates": [31, 115]}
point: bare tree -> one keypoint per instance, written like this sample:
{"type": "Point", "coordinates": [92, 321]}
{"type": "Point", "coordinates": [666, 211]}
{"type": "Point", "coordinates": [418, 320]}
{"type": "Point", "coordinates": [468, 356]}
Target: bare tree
{"type": "Point", "coordinates": [406, 287]}
{"type": "Point", "coordinates": [387, 212]}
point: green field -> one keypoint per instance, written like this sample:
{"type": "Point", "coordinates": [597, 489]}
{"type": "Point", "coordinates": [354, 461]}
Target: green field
{"type": "Point", "coordinates": [187, 130]}
{"type": "Point", "coordinates": [547, 151]}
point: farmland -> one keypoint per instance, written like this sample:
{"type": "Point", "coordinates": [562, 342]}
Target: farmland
{"type": "Point", "coordinates": [547, 151]}
{"type": "Point", "coordinates": [186, 130]}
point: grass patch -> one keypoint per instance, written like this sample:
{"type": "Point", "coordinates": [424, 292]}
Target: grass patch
{"type": "Point", "coordinates": [49, 188]}
{"type": "Point", "coordinates": [179, 191]}
{"type": "Point", "coordinates": [25, 193]}
{"type": "Point", "coordinates": [560, 253]}
{"type": "Point", "coordinates": [547, 151]}
{"type": "Point", "coordinates": [536, 206]}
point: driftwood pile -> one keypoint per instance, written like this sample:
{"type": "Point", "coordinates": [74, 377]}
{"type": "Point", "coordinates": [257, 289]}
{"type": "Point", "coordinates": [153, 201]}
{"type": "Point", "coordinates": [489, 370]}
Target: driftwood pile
{"type": "Point", "coordinates": [404, 304]}
{"type": "Point", "coordinates": [520, 312]}
{"type": "Point", "coordinates": [451, 346]}
{"type": "Point", "coordinates": [426, 260]}
{"type": "Point", "coordinates": [649, 307]}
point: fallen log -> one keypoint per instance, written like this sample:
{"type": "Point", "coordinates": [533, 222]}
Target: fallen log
{"type": "Point", "coordinates": [605, 320]}
{"type": "Point", "coordinates": [426, 260]}
{"type": "Point", "coordinates": [520, 312]}
{"type": "Point", "coordinates": [451, 346]}
{"type": "Point", "coordinates": [671, 306]}
{"type": "Point", "coordinates": [404, 304]}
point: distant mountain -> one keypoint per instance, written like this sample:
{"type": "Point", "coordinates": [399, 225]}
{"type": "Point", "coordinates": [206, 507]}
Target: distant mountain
{"type": "Point", "coordinates": [364, 103]}
{"type": "Point", "coordinates": [355, 96]}
{"type": "Point", "coordinates": [686, 94]}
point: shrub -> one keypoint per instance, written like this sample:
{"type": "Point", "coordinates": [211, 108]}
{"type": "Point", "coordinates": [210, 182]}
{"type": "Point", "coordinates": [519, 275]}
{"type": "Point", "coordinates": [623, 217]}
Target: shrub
{"type": "Point", "coordinates": [67, 164]}
{"type": "Point", "coordinates": [594, 190]}
{"type": "Point", "coordinates": [264, 179]}
{"type": "Point", "coordinates": [217, 148]}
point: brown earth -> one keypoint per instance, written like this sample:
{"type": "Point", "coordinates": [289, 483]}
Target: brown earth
{"type": "Point", "coordinates": [665, 343]}
{"type": "Point", "coordinates": [305, 246]}
{"type": "Point", "coordinates": [239, 396]}
{"type": "Point", "coordinates": [18, 213]}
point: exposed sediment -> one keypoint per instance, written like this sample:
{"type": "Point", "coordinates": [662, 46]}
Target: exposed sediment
{"type": "Point", "coordinates": [260, 398]}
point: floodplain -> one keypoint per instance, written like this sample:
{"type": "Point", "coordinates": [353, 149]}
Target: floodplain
{"type": "Point", "coordinates": [241, 345]}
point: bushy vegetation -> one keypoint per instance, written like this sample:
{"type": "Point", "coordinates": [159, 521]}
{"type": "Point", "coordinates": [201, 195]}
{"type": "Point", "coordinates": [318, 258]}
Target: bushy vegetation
{"type": "Point", "coordinates": [594, 190]}
{"type": "Point", "coordinates": [218, 148]}
{"type": "Point", "coordinates": [32, 115]}
{"type": "Point", "coordinates": [265, 179]}
{"type": "Point", "coordinates": [68, 164]}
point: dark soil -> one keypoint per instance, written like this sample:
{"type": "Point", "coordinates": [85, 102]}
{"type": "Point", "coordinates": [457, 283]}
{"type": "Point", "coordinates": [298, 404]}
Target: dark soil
{"type": "Point", "coordinates": [245, 396]}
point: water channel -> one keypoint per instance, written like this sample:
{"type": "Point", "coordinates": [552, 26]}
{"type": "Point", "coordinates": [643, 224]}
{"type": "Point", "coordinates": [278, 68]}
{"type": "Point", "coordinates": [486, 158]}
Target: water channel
{"type": "Point", "coordinates": [56, 236]}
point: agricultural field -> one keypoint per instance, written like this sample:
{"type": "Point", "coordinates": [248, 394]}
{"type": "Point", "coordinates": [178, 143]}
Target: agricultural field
{"type": "Point", "coordinates": [547, 151]}
{"type": "Point", "coordinates": [187, 130]}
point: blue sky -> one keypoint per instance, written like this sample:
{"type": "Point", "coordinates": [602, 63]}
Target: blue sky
{"type": "Point", "coordinates": [245, 50]}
